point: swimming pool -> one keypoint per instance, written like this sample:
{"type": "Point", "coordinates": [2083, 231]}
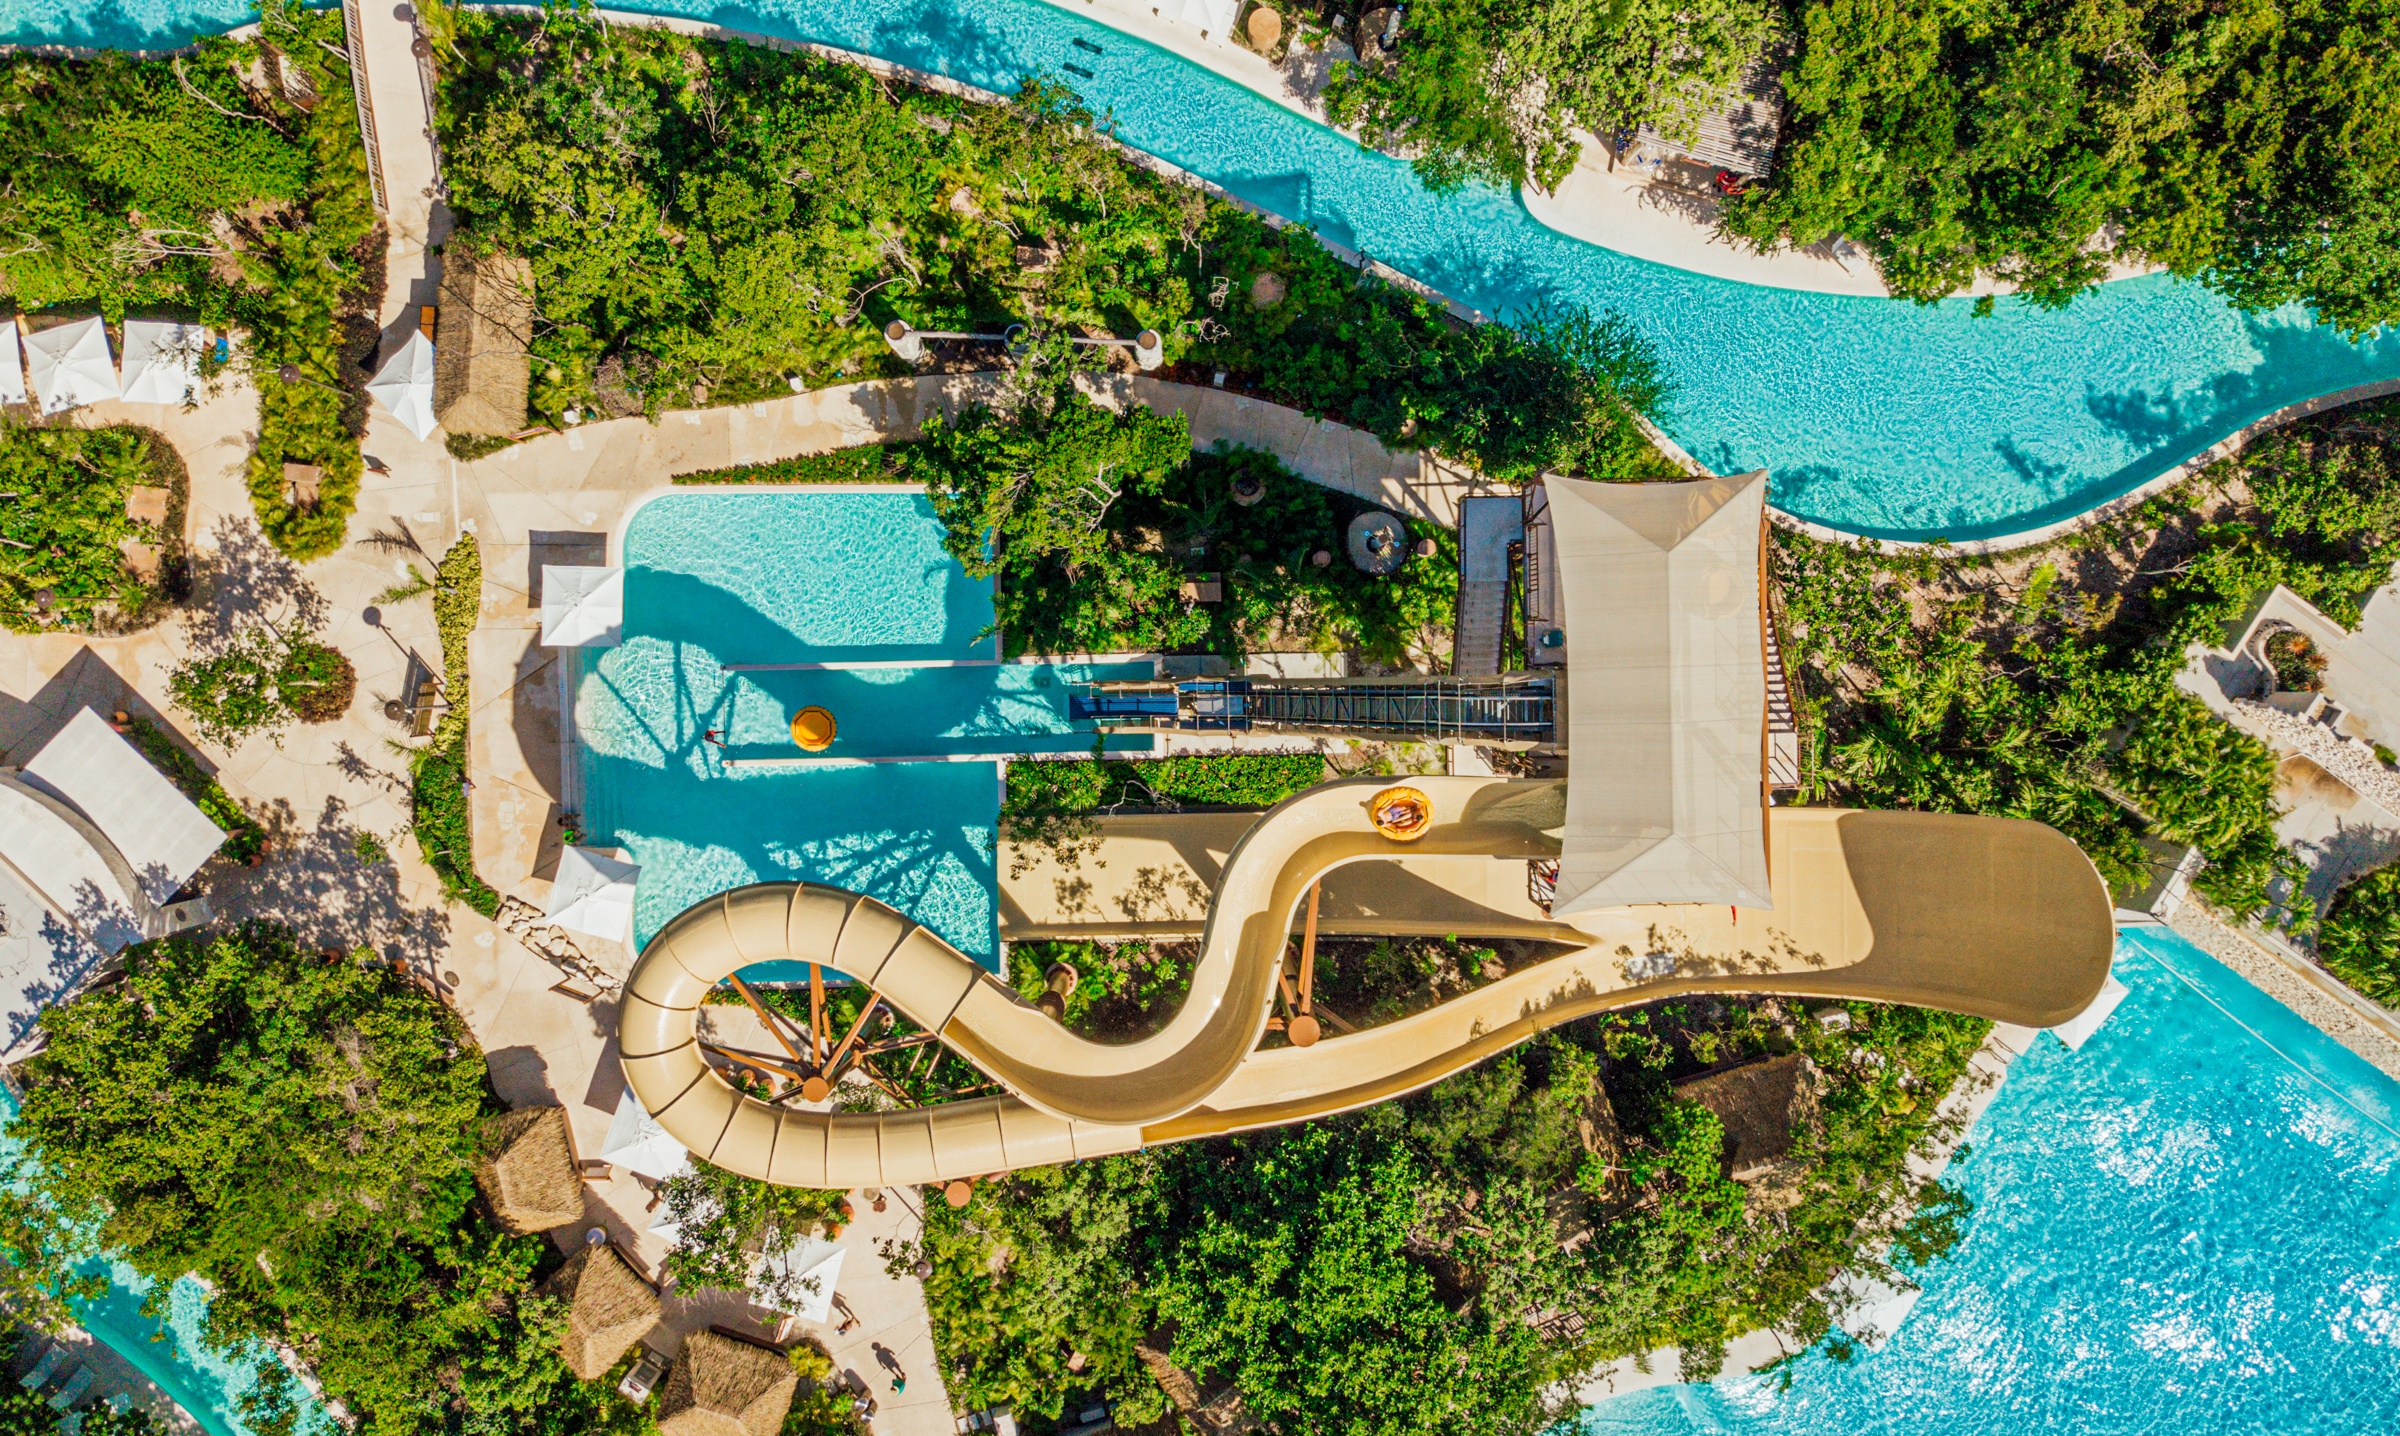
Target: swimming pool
{"type": "Point", "coordinates": [2193, 1223]}
{"type": "Point", "coordinates": [172, 1353]}
{"type": "Point", "coordinates": [842, 599]}
{"type": "Point", "coordinates": [1877, 416]}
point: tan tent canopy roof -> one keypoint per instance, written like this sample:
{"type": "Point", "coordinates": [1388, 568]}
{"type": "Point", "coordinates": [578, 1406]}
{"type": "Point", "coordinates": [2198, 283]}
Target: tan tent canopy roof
{"type": "Point", "coordinates": [1666, 692]}
{"type": "Point", "coordinates": [609, 1307]}
{"type": "Point", "coordinates": [725, 1386]}
{"type": "Point", "coordinates": [527, 1170]}
{"type": "Point", "coordinates": [479, 344]}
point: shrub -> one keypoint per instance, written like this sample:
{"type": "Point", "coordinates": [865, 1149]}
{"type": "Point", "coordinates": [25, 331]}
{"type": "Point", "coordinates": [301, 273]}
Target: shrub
{"type": "Point", "coordinates": [864, 464]}
{"type": "Point", "coordinates": [65, 519]}
{"type": "Point", "coordinates": [2359, 940]}
{"type": "Point", "coordinates": [440, 796]}
{"type": "Point", "coordinates": [316, 682]}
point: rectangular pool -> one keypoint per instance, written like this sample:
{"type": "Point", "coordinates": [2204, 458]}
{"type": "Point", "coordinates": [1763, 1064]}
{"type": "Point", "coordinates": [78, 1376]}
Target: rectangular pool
{"type": "Point", "coordinates": [743, 608]}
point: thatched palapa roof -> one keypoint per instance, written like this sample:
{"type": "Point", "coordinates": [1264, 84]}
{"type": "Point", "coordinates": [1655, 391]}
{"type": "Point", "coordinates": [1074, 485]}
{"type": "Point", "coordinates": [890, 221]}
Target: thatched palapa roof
{"type": "Point", "coordinates": [480, 339]}
{"type": "Point", "coordinates": [527, 1170]}
{"type": "Point", "coordinates": [609, 1306]}
{"type": "Point", "coordinates": [725, 1386]}
{"type": "Point", "coordinates": [1763, 1105]}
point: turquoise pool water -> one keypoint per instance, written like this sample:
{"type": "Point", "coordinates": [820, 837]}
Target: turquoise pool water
{"type": "Point", "coordinates": [811, 578]}
{"type": "Point", "coordinates": [1880, 417]}
{"type": "Point", "coordinates": [170, 1352]}
{"type": "Point", "coordinates": [2193, 1224]}
{"type": "Point", "coordinates": [1876, 416]}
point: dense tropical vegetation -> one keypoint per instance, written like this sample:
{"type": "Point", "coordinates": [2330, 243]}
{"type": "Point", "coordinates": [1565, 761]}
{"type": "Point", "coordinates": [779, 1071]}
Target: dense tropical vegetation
{"type": "Point", "coordinates": [298, 1128]}
{"type": "Point", "coordinates": [2254, 147]}
{"type": "Point", "coordinates": [1492, 90]}
{"type": "Point", "coordinates": [1430, 1265]}
{"type": "Point", "coordinates": [709, 221]}
{"type": "Point", "coordinates": [2044, 687]}
{"type": "Point", "coordinates": [1094, 522]}
{"type": "Point", "coordinates": [227, 186]}
{"type": "Point", "coordinates": [65, 532]}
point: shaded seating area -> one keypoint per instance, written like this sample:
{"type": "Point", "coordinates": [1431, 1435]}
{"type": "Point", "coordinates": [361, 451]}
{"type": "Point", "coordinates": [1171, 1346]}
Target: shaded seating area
{"type": "Point", "coordinates": [527, 1170]}
{"type": "Point", "coordinates": [723, 1385]}
{"type": "Point", "coordinates": [609, 1307]}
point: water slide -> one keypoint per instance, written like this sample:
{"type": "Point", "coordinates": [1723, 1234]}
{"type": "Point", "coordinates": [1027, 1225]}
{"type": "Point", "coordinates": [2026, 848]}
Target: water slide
{"type": "Point", "coordinates": [1999, 918]}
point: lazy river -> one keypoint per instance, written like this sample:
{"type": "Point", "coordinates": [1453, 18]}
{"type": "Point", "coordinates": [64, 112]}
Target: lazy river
{"type": "Point", "coordinates": [1876, 416]}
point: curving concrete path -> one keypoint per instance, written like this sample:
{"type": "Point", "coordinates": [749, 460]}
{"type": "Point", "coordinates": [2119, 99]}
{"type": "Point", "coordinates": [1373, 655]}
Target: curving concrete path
{"type": "Point", "coordinates": [1997, 917]}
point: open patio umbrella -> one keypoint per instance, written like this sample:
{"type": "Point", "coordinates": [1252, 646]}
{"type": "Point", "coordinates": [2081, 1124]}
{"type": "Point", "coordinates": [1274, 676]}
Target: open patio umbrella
{"type": "Point", "coordinates": [12, 367]}
{"type": "Point", "coordinates": [638, 1144]}
{"type": "Point", "coordinates": [70, 365]}
{"type": "Point", "coordinates": [593, 894]}
{"type": "Point", "coordinates": [404, 385]}
{"type": "Point", "coordinates": [799, 1282]}
{"type": "Point", "coordinates": [1214, 16]}
{"type": "Point", "coordinates": [582, 607]}
{"type": "Point", "coordinates": [162, 360]}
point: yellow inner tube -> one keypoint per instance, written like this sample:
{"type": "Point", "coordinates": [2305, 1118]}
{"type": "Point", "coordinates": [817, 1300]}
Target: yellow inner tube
{"type": "Point", "coordinates": [812, 729]}
{"type": "Point", "coordinates": [1402, 814]}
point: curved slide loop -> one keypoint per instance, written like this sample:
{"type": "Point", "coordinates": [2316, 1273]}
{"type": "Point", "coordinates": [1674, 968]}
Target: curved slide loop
{"type": "Point", "coordinates": [1996, 917]}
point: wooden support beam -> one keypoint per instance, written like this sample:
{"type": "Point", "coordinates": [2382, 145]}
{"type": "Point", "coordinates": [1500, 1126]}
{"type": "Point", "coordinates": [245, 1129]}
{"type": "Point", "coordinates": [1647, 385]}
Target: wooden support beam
{"type": "Point", "coordinates": [833, 1064]}
{"type": "Point", "coordinates": [772, 1023]}
{"type": "Point", "coordinates": [1308, 948]}
{"type": "Point", "coordinates": [816, 1013]}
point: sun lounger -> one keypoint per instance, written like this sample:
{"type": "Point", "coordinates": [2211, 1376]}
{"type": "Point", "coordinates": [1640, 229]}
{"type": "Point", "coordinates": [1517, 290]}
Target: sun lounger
{"type": "Point", "coordinates": [39, 1376]}
{"type": "Point", "coordinates": [72, 1392]}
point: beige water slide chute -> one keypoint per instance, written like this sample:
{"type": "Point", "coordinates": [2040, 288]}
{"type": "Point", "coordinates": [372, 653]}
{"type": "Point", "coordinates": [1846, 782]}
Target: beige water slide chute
{"type": "Point", "coordinates": [1996, 917]}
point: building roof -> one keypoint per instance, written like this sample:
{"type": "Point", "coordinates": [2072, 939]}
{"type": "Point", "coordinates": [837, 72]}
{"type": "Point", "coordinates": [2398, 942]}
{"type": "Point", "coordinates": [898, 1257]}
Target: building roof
{"type": "Point", "coordinates": [527, 1170]}
{"type": "Point", "coordinates": [725, 1386]}
{"type": "Point", "coordinates": [67, 901]}
{"type": "Point", "coordinates": [1760, 1103]}
{"type": "Point", "coordinates": [609, 1307]}
{"type": "Point", "coordinates": [162, 834]}
{"type": "Point", "coordinates": [1739, 127]}
{"type": "Point", "coordinates": [480, 341]}
{"type": "Point", "coordinates": [1666, 706]}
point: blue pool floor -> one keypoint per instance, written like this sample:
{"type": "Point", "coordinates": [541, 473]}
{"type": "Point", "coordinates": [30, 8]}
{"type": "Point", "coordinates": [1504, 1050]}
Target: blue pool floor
{"type": "Point", "coordinates": [784, 578]}
{"type": "Point", "coordinates": [2191, 1225]}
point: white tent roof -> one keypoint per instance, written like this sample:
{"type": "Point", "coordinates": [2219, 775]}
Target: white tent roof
{"type": "Point", "coordinates": [1666, 692]}
{"type": "Point", "coordinates": [582, 607]}
{"type": "Point", "coordinates": [637, 1143]}
{"type": "Point", "coordinates": [66, 901]}
{"type": "Point", "coordinates": [70, 365]}
{"type": "Point", "coordinates": [162, 835]}
{"type": "Point", "coordinates": [12, 367]}
{"type": "Point", "coordinates": [1214, 16]}
{"type": "Point", "coordinates": [404, 385]}
{"type": "Point", "coordinates": [593, 894]}
{"type": "Point", "coordinates": [799, 1282]}
{"type": "Point", "coordinates": [162, 360]}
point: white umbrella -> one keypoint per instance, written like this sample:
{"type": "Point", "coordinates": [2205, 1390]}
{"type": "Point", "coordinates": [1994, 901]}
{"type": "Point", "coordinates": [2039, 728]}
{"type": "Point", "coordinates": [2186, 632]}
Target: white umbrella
{"type": "Point", "coordinates": [641, 1146]}
{"type": "Point", "coordinates": [12, 368]}
{"type": "Point", "coordinates": [1214, 16]}
{"type": "Point", "coordinates": [70, 365]}
{"type": "Point", "coordinates": [593, 894]}
{"type": "Point", "coordinates": [162, 360]}
{"type": "Point", "coordinates": [404, 385]}
{"type": "Point", "coordinates": [582, 607]}
{"type": "Point", "coordinates": [800, 1281]}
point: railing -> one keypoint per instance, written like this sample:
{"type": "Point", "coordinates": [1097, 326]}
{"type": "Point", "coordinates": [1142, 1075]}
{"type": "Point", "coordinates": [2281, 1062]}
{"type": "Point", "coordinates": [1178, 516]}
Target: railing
{"type": "Point", "coordinates": [354, 49]}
